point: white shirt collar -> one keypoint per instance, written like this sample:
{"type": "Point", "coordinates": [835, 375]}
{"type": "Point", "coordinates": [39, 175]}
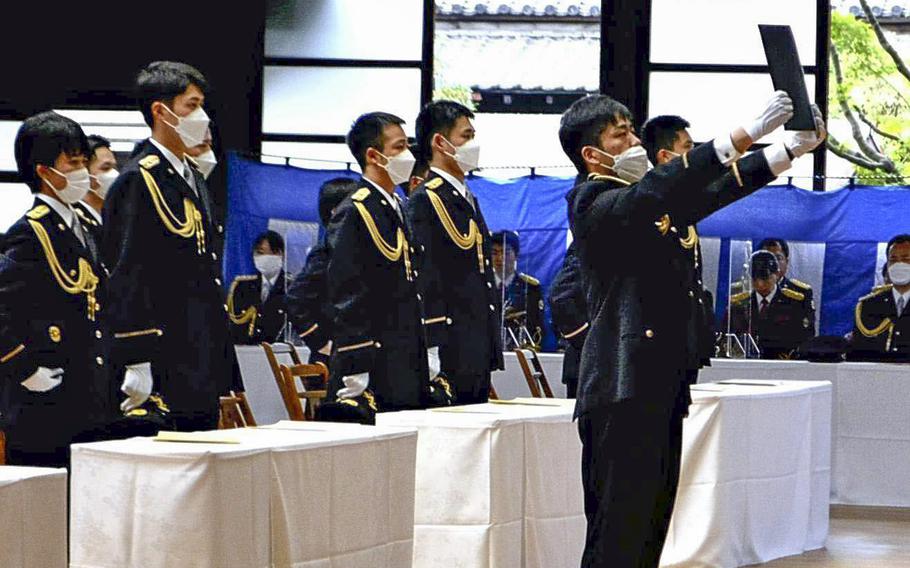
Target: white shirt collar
{"type": "Point", "coordinates": [92, 211]}
{"type": "Point", "coordinates": [61, 208]}
{"type": "Point", "coordinates": [171, 157]}
{"type": "Point", "coordinates": [461, 187]}
{"type": "Point", "coordinates": [385, 194]}
{"type": "Point", "coordinates": [905, 296]}
{"type": "Point", "coordinates": [769, 297]}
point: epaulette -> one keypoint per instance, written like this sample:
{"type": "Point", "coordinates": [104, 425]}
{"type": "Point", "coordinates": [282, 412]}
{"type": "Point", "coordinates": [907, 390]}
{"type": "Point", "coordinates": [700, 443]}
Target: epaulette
{"type": "Point", "coordinates": [361, 194]}
{"type": "Point", "coordinates": [877, 292]}
{"type": "Point", "coordinates": [799, 284]}
{"type": "Point", "coordinates": [793, 294]}
{"type": "Point", "coordinates": [38, 212]}
{"type": "Point", "coordinates": [530, 279]}
{"type": "Point", "coordinates": [245, 278]}
{"type": "Point", "coordinates": [433, 183]}
{"type": "Point", "coordinates": [742, 296]}
{"type": "Point", "coordinates": [150, 161]}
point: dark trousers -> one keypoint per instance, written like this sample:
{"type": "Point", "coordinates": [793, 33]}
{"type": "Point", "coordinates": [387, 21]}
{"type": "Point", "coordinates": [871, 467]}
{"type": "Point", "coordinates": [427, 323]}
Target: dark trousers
{"type": "Point", "coordinates": [470, 388]}
{"type": "Point", "coordinates": [630, 472]}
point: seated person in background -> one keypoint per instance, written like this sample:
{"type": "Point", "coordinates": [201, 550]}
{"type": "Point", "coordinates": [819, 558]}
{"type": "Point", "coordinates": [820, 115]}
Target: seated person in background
{"type": "Point", "coordinates": [776, 317]}
{"type": "Point", "coordinates": [256, 303]}
{"type": "Point", "coordinates": [781, 251]}
{"type": "Point", "coordinates": [522, 302]}
{"type": "Point", "coordinates": [881, 329]}
{"type": "Point", "coordinates": [308, 304]}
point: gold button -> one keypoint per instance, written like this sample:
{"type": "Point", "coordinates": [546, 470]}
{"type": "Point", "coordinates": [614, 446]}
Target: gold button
{"type": "Point", "coordinates": [214, 256]}
{"type": "Point", "coordinates": [489, 285]}
{"type": "Point", "coordinates": [415, 274]}
{"type": "Point", "coordinates": [99, 360]}
{"type": "Point", "coordinates": [73, 273]}
{"type": "Point", "coordinates": [691, 294]}
{"type": "Point", "coordinates": [448, 321]}
{"type": "Point", "coordinates": [378, 345]}
{"type": "Point", "coordinates": [649, 333]}
{"type": "Point", "coordinates": [418, 297]}
{"type": "Point", "coordinates": [98, 334]}
{"type": "Point", "coordinates": [54, 333]}
{"type": "Point", "coordinates": [61, 226]}
{"type": "Point", "coordinates": [218, 281]}
{"type": "Point", "coordinates": [492, 308]}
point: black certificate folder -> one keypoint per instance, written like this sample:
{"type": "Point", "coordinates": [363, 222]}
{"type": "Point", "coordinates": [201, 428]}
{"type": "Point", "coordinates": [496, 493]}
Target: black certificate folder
{"type": "Point", "coordinates": [787, 73]}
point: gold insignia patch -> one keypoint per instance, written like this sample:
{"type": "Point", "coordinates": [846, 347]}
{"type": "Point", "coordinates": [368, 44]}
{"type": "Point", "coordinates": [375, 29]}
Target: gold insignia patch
{"type": "Point", "coordinates": [742, 296]}
{"type": "Point", "coordinates": [150, 161]}
{"type": "Point", "coordinates": [38, 212]}
{"type": "Point", "coordinates": [361, 194]}
{"type": "Point", "coordinates": [799, 284]}
{"type": "Point", "coordinates": [530, 279]}
{"type": "Point", "coordinates": [433, 183]}
{"type": "Point", "coordinates": [663, 224]}
{"type": "Point", "coordinates": [54, 333]}
{"type": "Point", "coordinates": [793, 294]}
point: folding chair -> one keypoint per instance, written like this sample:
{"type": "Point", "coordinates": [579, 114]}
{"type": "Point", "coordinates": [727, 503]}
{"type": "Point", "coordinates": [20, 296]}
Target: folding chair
{"type": "Point", "coordinates": [235, 412]}
{"type": "Point", "coordinates": [534, 373]}
{"type": "Point", "coordinates": [312, 396]}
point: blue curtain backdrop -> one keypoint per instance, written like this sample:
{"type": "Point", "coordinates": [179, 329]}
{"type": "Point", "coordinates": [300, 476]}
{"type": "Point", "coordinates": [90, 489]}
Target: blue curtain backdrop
{"type": "Point", "coordinates": [851, 223]}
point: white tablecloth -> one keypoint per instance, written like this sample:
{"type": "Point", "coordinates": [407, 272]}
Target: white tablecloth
{"type": "Point", "coordinates": [497, 486]}
{"type": "Point", "coordinates": [32, 517]}
{"type": "Point", "coordinates": [870, 423]}
{"type": "Point", "coordinates": [304, 495]}
{"type": "Point", "coordinates": [755, 475]}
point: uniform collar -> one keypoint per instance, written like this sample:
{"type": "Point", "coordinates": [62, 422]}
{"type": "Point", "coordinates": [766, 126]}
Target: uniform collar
{"type": "Point", "coordinates": [458, 185]}
{"type": "Point", "coordinates": [769, 297]}
{"type": "Point", "coordinates": [171, 157]}
{"type": "Point", "coordinates": [62, 209]}
{"type": "Point", "coordinates": [393, 197]}
{"type": "Point", "coordinates": [92, 211]}
{"type": "Point", "coordinates": [905, 296]}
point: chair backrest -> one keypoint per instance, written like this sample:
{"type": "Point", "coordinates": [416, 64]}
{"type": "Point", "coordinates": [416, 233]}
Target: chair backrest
{"type": "Point", "coordinates": [535, 376]}
{"type": "Point", "coordinates": [235, 411]}
{"type": "Point", "coordinates": [292, 395]}
{"type": "Point", "coordinates": [286, 352]}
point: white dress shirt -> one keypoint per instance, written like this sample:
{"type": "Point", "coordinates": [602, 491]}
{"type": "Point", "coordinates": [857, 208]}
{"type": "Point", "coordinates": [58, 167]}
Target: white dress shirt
{"type": "Point", "coordinates": [179, 165]}
{"type": "Point", "coordinates": [769, 297]}
{"type": "Point", "coordinates": [459, 185]}
{"type": "Point", "coordinates": [897, 298]}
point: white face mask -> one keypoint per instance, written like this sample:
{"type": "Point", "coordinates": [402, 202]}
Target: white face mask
{"type": "Point", "coordinates": [191, 128]}
{"type": "Point", "coordinates": [207, 162]}
{"type": "Point", "coordinates": [467, 155]}
{"type": "Point", "coordinates": [399, 166]}
{"type": "Point", "coordinates": [269, 265]}
{"type": "Point", "coordinates": [78, 183]}
{"type": "Point", "coordinates": [899, 273]}
{"type": "Point", "coordinates": [105, 180]}
{"type": "Point", "coordinates": [631, 165]}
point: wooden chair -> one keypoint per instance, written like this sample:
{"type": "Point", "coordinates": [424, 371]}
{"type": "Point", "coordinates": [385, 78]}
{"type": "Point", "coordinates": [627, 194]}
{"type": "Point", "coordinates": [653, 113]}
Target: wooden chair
{"type": "Point", "coordinates": [235, 412]}
{"type": "Point", "coordinates": [2, 448]}
{"type": "Point", "coordinates": [310, 376]}
{"type": "Point", "coordinates": [289, 353]}
{"type": "Point", "coordinates": [534, 373]}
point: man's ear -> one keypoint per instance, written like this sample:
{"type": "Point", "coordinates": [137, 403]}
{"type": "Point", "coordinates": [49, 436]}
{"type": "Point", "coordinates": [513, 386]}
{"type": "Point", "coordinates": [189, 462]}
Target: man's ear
{"type": "Point", "coordinates": [590, 155]}
{"type": "Point", "coordinates": [663, 156]}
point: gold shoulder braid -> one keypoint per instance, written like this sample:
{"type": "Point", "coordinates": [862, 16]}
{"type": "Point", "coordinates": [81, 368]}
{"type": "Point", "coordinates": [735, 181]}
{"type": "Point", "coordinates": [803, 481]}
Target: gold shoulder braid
{"type": "Point", "coordinates": [192, 226]}
{"type": "Point", "coordinates": [691, 239]}
{"type": "Point", "coordinates": [885, 325]}
{"type": "Point", "coordinates": [247, 316]}
{"type": "Point", "coordinates": [604, 177]}
{"type": "Point", "coordinates": [86, 283]}
{"type": "Point", "coordinates": [464, 242]}
{"type": "Point", "coordinates": [392, 253]}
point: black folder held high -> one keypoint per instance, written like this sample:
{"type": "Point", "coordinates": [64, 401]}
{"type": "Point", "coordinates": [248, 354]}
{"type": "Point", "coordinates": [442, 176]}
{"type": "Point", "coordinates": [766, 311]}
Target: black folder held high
{"type": "Point", "coordinates": [787, 73]}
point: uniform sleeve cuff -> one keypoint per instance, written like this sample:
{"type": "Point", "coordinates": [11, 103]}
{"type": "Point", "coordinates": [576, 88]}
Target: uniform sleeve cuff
{"type": "Point", "coordinates": [726, 152]}
{"type": "Point", "coordinates": [778, 161]}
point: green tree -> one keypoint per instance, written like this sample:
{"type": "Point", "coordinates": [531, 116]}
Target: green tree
{"type": "Point", "coordinates": [871, 91]}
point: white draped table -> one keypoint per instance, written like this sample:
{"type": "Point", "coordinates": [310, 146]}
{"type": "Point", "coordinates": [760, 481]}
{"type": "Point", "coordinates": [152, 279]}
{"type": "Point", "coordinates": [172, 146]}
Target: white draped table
{"type": "Point", "coordinates": [498, 485]}
{"type": "Point", "coordinates": [302, 495]}
{"type": "Point", "coordinates": [32, 517]}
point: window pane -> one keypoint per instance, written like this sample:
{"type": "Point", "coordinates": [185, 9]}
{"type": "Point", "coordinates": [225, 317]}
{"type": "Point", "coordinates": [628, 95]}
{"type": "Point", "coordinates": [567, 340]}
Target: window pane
{"type": "Point", "coordinates": [309, 155]}
{"type": "Point", "coordinates": [325, 100]}
{"type": "Point", "coordinates": [8, 129]}
{"type": "Point", "coordinates": [15, 199]}
{"type": "Point", "coordinates": [344, 29]}
{"type": "Point", "coordinates": [708, 31]}
{"type": "Point", "coordinates": [510, 140]}
{"type": "Point", "coordinates": [714, 102]}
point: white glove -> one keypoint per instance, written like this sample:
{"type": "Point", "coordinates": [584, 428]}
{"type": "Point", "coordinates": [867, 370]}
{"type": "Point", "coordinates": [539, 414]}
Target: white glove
{"type": "Point", "coordinates": [354, 385]}
{"type": "Point", "coordinates": [778, 111]}
{"type": "Point", "coordinates": [433, 361]}
{"type": "Point", "coordinates": [137, 385]}
{"type": "Point", "coordinates": [43, 380]}
{"type": "Point", "coordinates": [326, 349]}
{"type": "Point", "coordinates": [804, 141]}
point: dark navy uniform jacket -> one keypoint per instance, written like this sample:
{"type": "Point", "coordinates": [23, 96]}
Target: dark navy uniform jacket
{"type": "Point", "coordinates": [879, 334]}
{"type": "Point", "coordinates": [252, 320]}
{"type": "Point", "coordinates": [781, 329]}
{"type": "Point", "coordinates": [308, 302]}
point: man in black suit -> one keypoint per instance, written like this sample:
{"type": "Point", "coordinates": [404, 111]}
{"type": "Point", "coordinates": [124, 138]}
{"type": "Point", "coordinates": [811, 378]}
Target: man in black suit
{"type": "Point", "coordinates": [308, 296]}
{"type": "Point", "coordinates": [257, 303]}
{"type": "Point", "coordinates": [453, 241]}
{"type": "Point", "coordinates": [636, 359]}
{"type": "Point", "coordinates": [53, 355]}
{"type": "Point", "coordinates": [881, 329]}
{"type": "Point", "coordinates": [166, 302]}
{"type": "Point", "coordinates": [378, 331]}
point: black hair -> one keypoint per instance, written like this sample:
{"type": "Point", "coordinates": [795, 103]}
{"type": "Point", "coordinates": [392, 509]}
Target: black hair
{"type": "Point", "coordinates": [437, 117]}
{"type": "Point", "coordinates": [899, 239]}
{"type": "Point", "coordinates": [276, 241]}
{"type": "Point", "coordinates": [660, 133]}
{"type": "Point", "coordinates": [763, 264]}
{"type": "Point", "coordinates": [510, 238]}
{"type": "Point", "coordinates": [94, 142]}
{"type": "Point", "coordinates": [41, 139]}
{"type": "Point", "coordinates": [366, 133]}
{"type": "Point", "coordinates": [164, 81]}
{"type": "Point", "coordinates": [332, 193]}
{"type": "Point", "coordinates": [775, 242]}
{"type": "Point", "coordinates": [583, 122]}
